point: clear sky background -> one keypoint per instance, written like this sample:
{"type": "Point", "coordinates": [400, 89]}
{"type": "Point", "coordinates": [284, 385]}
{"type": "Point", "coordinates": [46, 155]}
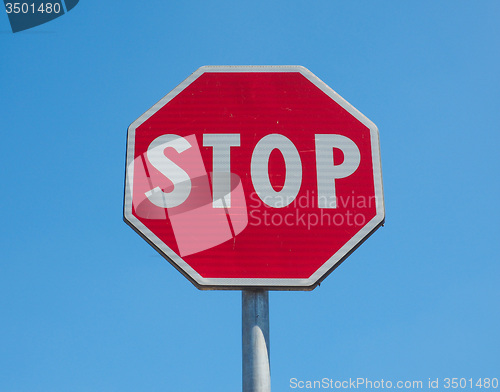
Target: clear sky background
{"type": "Point", "coordinates": [87, 305]}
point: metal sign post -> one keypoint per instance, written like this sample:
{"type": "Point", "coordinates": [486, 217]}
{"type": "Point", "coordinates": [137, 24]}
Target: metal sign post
{"type": "Point", "coordinates": [255, 341]}
{"type": "Point", "coordinates": [254, 178]}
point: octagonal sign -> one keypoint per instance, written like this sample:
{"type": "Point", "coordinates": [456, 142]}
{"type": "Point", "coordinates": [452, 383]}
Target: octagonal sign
{"type": "Point", "coordinates": [253, 176]}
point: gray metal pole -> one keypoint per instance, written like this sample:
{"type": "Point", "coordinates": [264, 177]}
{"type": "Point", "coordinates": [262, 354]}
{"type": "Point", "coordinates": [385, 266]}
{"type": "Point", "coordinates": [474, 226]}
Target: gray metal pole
{"type": "Point", "coordinates": [255, 322]}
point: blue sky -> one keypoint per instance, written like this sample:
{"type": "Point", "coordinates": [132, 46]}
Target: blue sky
{"type": "Point", "coordinates": [87, 305]}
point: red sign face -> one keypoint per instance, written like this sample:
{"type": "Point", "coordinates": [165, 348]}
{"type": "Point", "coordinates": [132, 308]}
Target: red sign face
{"type": "Point", "coordinates": [254, 177]}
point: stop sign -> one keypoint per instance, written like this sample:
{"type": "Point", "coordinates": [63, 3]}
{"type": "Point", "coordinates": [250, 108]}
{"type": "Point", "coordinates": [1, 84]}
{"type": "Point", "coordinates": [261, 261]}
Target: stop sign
{"type": "Point", "coordinates": [253, 176]}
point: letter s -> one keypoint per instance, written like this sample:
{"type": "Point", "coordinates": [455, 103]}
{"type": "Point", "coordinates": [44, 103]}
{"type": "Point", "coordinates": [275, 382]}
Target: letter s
{"type": "Point", "coordinates": [180, 179]}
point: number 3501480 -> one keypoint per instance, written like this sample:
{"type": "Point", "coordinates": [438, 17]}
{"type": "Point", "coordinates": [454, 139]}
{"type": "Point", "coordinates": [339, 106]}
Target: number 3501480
{"type": "Point", "coordinates": [27, 8]}
{"type": "Point", "coordinates": [470, 383]}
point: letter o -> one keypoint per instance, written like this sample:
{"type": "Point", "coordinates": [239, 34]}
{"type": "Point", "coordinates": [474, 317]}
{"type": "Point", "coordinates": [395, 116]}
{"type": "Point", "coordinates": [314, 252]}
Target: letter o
{"type": "Point", "coordinates": [260, 176]}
